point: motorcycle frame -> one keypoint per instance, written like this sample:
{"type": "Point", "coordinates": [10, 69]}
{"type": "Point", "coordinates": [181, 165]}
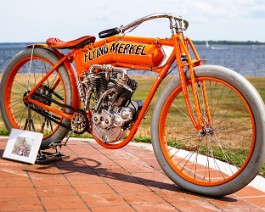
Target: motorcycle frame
{"type": "Point", "coordinates": [182, 46]}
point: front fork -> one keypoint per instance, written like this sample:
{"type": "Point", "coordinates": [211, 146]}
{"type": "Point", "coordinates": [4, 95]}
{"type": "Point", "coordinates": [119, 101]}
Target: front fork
{"type": "Point", "coordinates": [184, 60]}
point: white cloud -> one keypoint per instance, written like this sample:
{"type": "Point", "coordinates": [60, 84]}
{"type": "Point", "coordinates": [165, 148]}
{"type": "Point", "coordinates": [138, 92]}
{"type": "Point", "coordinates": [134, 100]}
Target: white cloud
{"type": "Point", "coordinates": [31, 20]}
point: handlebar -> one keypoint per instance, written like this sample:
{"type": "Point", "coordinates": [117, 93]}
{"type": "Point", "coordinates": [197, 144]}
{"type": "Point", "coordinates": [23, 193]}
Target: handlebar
{"type": "Point", "coordinates": [176, 23]}
{"type": "Point", "coordinates": [109, 32]}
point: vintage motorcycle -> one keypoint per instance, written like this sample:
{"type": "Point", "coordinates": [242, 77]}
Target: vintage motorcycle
{"type": "Point", "coordinates": [207, 125]}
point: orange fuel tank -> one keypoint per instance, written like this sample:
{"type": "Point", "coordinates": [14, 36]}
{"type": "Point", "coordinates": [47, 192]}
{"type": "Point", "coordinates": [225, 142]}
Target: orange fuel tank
{"type": "Point", "coordinates": [124, 53]}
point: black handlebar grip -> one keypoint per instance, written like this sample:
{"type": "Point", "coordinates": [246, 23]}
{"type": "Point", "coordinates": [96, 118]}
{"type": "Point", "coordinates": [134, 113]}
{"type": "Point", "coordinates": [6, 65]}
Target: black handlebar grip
{"type": "Point", "coordinates": [108, 32]}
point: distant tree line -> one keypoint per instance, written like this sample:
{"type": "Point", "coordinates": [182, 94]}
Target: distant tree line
{"type": "Point", "coordinates": [227, 42]}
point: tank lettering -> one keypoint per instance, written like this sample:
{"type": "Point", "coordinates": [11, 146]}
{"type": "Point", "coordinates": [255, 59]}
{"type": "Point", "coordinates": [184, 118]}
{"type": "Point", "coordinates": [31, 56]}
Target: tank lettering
{"type": "Point", "coordinates": [126, 48]}
{"type": "Point", "coordinates": [117, 48]}
{"type": "Point", "coordinates": [114, 47]}
{"type": "Point", "coordinates": [140, 50]}
{"type": "Point", "coordinates": [100, 51]}
{"type": "Point", "coordinates": [90, 57]}
{"type": "Point", "coordinates": [131, 50]}
{"type": "Point", "coordinates": [94, 53]}
{"type": "Point", "coordinates": [85, 58]}
{"type": "Point", "coordinates": [121, 47]}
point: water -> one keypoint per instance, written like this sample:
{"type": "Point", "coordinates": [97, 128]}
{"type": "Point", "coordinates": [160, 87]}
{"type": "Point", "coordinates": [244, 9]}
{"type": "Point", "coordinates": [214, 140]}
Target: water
{"type": "Point", "coordinates": [245, 59]}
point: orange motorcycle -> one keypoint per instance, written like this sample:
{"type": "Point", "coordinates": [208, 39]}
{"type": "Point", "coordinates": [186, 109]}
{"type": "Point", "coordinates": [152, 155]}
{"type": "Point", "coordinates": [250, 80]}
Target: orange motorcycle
{"type": "Point", "coordinates": [207, 125]}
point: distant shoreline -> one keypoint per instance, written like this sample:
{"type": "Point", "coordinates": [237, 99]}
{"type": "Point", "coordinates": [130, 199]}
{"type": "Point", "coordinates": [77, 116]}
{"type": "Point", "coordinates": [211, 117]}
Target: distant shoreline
{"type": "Point", "coordinates": [196, 42]}
{"type": "Point", "coordinates": [227, 42]}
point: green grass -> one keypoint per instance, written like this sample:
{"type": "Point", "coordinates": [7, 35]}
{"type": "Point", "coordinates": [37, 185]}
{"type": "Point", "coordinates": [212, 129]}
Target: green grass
{"type": "Point", "coordinates": [143, 134]}
{"type": "Point", "coordinates": [4, 132]}
{"type": "Point", "coordinates": [142, 139]}
{"type": "Point", "coordinates": [235, 157]}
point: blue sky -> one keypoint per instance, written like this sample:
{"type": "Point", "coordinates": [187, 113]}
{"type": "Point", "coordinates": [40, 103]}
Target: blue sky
{"type": "Point", "coordinates": [37, 20]}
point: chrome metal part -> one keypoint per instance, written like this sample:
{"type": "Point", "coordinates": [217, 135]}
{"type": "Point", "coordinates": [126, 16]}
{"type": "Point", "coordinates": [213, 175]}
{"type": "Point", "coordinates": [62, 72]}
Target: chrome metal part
{"type": "Point", "coordinates": [108, 126]}
{"type": "Point", "coordinates": [108, 100]}
{"type": "Point", "coordinates": [79, 122]}
{"type": "Point", "coordinates": [175, 22]}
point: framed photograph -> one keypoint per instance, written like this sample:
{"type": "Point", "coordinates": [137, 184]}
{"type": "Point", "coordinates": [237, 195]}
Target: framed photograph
{"type": "Point", "coordinates": [23, 146]}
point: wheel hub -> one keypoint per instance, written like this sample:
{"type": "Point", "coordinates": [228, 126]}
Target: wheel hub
{"type": "Point", "coordinates": [206, 131]}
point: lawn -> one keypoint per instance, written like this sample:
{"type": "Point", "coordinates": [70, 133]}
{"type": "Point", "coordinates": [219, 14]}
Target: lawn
{"type": "Point", "coordinates": [144, 85]}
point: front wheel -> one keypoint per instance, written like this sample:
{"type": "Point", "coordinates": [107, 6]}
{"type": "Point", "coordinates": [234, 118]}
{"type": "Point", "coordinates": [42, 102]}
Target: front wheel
{"type": "Point", "coordinates": [226, 154]}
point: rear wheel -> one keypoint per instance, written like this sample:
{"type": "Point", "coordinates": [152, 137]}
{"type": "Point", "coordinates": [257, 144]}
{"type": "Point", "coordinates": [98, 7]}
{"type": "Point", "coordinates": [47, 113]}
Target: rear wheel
{"type": "Point", "coordinates": [226, 154]}
{"type": "Point", "coordinates": [21, 75]}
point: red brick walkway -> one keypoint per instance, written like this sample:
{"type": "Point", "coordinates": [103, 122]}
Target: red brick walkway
{"type": "Point", "coordinates": [97, 179]}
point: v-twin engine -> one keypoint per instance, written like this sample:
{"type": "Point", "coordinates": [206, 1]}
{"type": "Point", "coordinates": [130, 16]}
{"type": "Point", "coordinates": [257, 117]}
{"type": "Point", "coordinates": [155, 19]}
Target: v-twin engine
{"type": "Point", "coordinates": [108, 96]}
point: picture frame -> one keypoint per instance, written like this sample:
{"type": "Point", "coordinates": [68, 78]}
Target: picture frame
{"type": "Point", "coordinates": [23, 146]}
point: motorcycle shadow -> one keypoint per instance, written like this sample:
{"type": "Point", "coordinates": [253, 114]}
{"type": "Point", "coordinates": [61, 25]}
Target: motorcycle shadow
{"type": "Point", "coordinates": [115, 174]}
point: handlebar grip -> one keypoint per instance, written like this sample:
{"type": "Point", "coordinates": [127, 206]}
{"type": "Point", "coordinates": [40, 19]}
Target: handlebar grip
{"type": "Point", "coordinates": [108, 32]}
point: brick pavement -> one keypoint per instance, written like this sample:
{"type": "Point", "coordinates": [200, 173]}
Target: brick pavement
{"type": "Point", "coordinates": [98, 179]}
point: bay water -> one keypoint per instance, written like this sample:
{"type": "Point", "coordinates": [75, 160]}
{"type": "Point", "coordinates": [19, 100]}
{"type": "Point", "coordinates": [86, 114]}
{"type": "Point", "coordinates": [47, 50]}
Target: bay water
{"type": "Point", "coordinates": [248, 60]}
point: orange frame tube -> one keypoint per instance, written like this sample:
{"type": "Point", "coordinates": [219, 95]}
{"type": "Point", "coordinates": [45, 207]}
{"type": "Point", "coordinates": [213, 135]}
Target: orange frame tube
{"type": "Point", "coordinates": [184, 49]}
{"type": "Point", "coordinates": [51, 109]}
{"type": "Point", "coordinates": [143, 111]}
{"type": "Point", "coordinates": [71, 72]}
{"type": "Point", "coordinates": [179, 47]}
{"type": "Point", "coordinates": [46, 76]}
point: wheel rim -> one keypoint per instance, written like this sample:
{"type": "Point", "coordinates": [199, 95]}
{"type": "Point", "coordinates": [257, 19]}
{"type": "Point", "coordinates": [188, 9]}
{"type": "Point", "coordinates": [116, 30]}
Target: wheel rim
{"type": "Point", "coordinates": [24, 75]}
{"type": "Point", "coordinates": [220, 154]}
